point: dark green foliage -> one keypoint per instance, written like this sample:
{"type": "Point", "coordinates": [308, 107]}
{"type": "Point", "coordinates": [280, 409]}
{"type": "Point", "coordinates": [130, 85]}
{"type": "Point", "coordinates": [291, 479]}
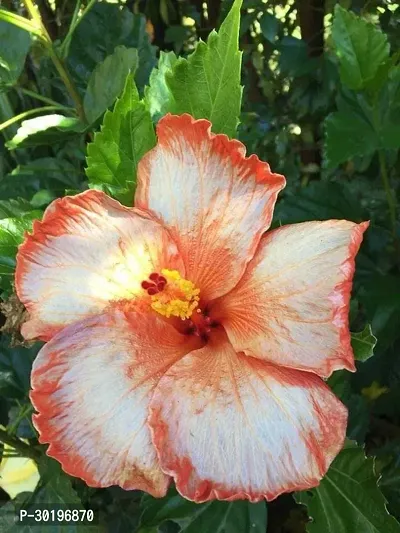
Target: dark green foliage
{"type": "Point", "coordinates": [319, 99]}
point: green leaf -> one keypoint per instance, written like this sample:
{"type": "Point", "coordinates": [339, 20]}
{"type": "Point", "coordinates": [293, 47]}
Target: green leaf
{"type": "Point", "coordinates": [339, 382]}
{"type": "Point", "coordinates": [380, 297]}
{"type": "Point", "coordinates": [56, 484]}
{"type": "Point", "coordinates": [46, 129]}
{"type": "Point", "coordinates": [158, 97]}
{"type": "Point", "coordinates": [101, 30]}
{"type": "Point", "coordinates": [294, 59]}
{"type": "Point", "coordinates": [358, 421]}
{"type": "Point", "coordinates": [51, 173]}
{"type": "Point", "coordinates": [389, 111]}
{"type": "Point", "coordinates": [11, 235]}
{"type": "Point", "coordinates": [352, 123]}
{"type": "Point", "coordinates": [207, 83]}
{"type": "Point", "coordinates": [218, 517]}
{"type": "Point", "coordinates": [360, 47]}
{"type": "Point", "coordinates": [365, 128]}
{"type": "Point", "coordinates": [15, 368]}
{"type": "Point", "coordinates": [359, 418]}
{"type": "Point", "coordinates": [269, 26]}
{"type": "Point", "coordinates": [348, 499]}
{"type": "Point", "coordinates": [14, 207]}
{"type": "Point", "coordinates": [107, 81]}
{"type": "Point", "coordinates": [14, 45]}
{"type": "Point", "coordinates": [126, 135]}
{"type": "Point", "coordinates": [363, 344]}
{"type": "Point", "coordinates": [319, 201]}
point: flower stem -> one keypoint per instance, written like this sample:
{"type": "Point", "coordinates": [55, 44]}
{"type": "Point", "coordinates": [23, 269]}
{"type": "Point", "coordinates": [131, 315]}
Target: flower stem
{"type": "Point", "coordinates": [58, 63]}
{"type": "Point", "coordinates": [24, 449]}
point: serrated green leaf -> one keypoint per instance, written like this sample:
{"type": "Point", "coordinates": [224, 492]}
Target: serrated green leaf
{"type": "Point", "coordinates": [207, 83]}
{"type": "Point", "coordinates": [14, 45]}
{"type": "Point", "coordinates": [158, 97]}
{"type": "Point", "coordinates": [348, 499]}
{"type": "Point", "coordinates": [107, 81]}
{"type": "Point", "coordinates": [126, 135]}
{"type": "Point", "coordinates": [47, 129]}
{"type": "Point", "coordinates": [219, 517]}
{"type": "Point", "coordinates": [363, 343]}
{"type": "Point", "coordinates": [360, 47]}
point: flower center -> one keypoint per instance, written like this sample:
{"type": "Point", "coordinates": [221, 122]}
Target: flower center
{"type": "Point", "coordinates": [172, 295]}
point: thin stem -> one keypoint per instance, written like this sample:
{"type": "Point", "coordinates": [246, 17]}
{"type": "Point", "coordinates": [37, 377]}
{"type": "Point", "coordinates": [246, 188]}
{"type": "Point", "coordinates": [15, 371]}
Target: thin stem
{"type": "Point", "coordinates": [21, 22]}
{"type": "Point", "coordinates": [69, 84]}
{"type": "Point", "coordinates": [389, 193]}
{"type": "Point", "coordinates": [24, 449]}
{"type": "Point", "coordinates": [30, 112]}
{"type": "Point", "coordinates": [34, 13]}
{"type": "Point", "coordinates": [37, 96]}
{"type": "Point", "coordinates": [76, 20]}
{"type": "Point", "coordinates": [58, 62]}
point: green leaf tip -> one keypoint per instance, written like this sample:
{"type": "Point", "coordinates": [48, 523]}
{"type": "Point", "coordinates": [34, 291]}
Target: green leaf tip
{"type": "Point", "coordinates": [207, 83]}
{"type": "Point", "coordinates": [363, 343]}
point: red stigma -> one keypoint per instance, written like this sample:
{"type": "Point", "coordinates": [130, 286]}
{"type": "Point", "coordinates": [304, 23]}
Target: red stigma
{"type": "Point", "coordinates": [157, 284]}
{"type": "Point", "coordinates": [152, 291]}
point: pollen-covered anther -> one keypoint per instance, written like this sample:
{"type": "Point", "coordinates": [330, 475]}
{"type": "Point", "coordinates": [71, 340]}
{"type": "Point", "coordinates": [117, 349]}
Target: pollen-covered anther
{"type": "Point", "coordinates": [172, 295]}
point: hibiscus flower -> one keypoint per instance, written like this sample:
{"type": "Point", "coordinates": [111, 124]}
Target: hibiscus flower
{"type": "Point", "coordinates": [183, 341]}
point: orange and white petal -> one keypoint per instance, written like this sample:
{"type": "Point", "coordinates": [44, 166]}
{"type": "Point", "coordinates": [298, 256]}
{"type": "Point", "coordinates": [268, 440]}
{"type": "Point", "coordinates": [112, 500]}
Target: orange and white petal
{"type": "Point", "coordinates": [227, 426]}
{"type": "Point", "coordinates": [291, 306]}
{"type": "Point", "coordinates": [91, 386]}
{"type": "Point", "coordinates": [88, 251]}
{"type": "Point", "coordinates": [214, 200]}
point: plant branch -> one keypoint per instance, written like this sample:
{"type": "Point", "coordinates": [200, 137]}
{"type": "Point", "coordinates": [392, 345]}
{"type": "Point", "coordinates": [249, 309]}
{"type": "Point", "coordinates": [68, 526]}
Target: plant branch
{"type": "Point", "coordinates": [21, 22]}
{"type": "Point", "coordinates": [57, 61]}
{"type": "Point", "coordinates": [24, 449]}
